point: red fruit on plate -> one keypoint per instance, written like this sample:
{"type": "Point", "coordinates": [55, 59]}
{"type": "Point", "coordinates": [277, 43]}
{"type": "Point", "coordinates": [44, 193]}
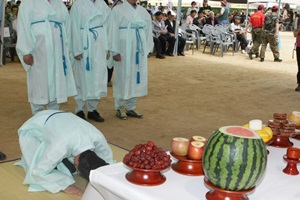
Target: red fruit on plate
{"type": "Point", "coordinates": [180, 146]}
{"type": "Point", "coordinates": [196, 150]}
{"type": "Point", "coordinates": [198, 138]}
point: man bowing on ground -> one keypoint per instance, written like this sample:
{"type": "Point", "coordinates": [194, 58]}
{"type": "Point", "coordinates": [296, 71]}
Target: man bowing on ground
{"type": "Point", "coordinates": [90, 49]}
{"type": "Point", "coordinates": [131, 42]}
{"type": "Point", "coordinates": [56, 144]}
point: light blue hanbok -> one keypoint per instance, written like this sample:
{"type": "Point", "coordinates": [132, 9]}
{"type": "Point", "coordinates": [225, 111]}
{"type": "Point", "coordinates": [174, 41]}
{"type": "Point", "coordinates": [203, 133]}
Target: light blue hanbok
{"type": "Point", "coordinates": [49, 137]}
{"type": "Point", "coordinates": [130, 36]}
{"type": "Point", "coordinates": [42, 32]}
{"type": "Point", "coordinates": [89, 37]}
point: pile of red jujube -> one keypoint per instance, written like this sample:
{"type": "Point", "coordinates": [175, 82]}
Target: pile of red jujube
{"type": "Point", "coordinates": [147, 156]}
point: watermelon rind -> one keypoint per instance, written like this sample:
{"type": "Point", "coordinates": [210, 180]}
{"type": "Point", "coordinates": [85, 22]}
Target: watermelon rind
{"type": "Point", "coordinates": [232, 162]}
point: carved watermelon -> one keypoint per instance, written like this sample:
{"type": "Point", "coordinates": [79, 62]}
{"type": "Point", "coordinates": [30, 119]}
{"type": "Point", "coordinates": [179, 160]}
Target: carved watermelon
{"type": "Point", "coordinates": [234, 158]}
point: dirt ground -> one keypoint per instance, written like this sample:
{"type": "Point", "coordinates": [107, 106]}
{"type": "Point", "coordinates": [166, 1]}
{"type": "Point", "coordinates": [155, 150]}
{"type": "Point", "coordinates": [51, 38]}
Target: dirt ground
{"type": "Point", "coordinates": [191, 95]}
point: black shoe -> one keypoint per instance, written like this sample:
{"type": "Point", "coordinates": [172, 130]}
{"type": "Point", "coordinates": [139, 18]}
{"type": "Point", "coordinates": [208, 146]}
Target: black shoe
{"type": "Point", "coordinates": [182, 54]}
{"type": "Point", "coordinates": [297, 89]}
{"type": "Point", "coordinates": [80, 114]}
{"type": "Point", "coordinates": [170, 54]}
{"type": "Point", "coordinates": [2, 156]}
{"type": "Point", "coordinates": [256, 55]}
{"type": "Point", "coordinates": [95, 116]}
{"type": "Point", "coordinates": [133, 113]}
{"type": "Point", "coordinates": [160, 56]}
{"type": "Point", "coordinates": [277, 60]}
{"type": "Point", "coordinates": [262, 59]}
{"type": "Point", "coordinates": [250, 56]}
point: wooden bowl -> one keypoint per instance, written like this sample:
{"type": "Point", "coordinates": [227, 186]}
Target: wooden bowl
{"type": "Point", "coordinates": [281, 141]}
{"type": "Point", "coordinates": [186, 166]}
{"type": "Point", "coordinates": [297, 134]}
{"type": "Point", "coordinates": [216, 193]}
{"type": "Point", "coordinates": [291, 167]}
{"type": "Point", "coordinates": [145, 177]}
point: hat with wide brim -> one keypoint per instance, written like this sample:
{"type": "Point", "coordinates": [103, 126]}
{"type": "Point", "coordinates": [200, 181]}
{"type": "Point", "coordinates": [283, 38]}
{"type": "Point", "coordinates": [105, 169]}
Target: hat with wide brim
{"type": "Point", "coordinates": [172, 12]}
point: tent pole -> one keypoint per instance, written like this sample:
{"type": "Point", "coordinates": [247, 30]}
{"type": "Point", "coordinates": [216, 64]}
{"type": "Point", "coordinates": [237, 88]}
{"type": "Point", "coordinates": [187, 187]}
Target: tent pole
{"type": "Point", "coordinates": [2, 31]}
{"type": "Point", "coordinates": [279, 3]}
{"type": "Point", "coordinates": [247, 13]}
{"type": "Point", "coordinates": [178, 15]}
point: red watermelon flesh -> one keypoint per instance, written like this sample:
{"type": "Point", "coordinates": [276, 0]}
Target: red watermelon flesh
{"type": "Point", "coordinates": [239, 131]}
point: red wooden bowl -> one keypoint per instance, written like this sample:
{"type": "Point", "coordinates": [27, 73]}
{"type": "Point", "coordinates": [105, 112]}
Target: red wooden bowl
{"type": "Point", "coordinates": [293, 153]}
{"type": "Point", "coordinates": [145, 177]}
{"type": "Point", "coordinates": [281, 141]}
{"type": "Point", "coordinates": [216, 193]}
{"type": "Point", "coordinates": [291, 167]}
{"type": "Point", "coordinates": [186, 166]}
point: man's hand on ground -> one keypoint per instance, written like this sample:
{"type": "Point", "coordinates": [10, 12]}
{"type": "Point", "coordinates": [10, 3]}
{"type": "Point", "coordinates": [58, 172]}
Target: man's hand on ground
{"type": "Point", "coordinates": [73, 190]}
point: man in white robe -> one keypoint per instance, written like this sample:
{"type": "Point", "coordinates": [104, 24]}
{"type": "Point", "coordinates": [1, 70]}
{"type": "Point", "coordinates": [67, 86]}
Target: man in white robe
{"type": "Point", "coordinates": [131, 41]}
{"type": "Point", "coordinates": [89, 20]}
{"type": "Point", "coordinates": [50, 138]}
{"type": "Point", "coordinates": [43, 50]}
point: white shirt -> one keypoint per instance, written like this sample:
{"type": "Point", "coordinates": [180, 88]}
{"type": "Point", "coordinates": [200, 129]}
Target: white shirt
{"type": "Point", "coordinates": [189, 20]}
{"type": "Point", "coordinates": [234, 27]}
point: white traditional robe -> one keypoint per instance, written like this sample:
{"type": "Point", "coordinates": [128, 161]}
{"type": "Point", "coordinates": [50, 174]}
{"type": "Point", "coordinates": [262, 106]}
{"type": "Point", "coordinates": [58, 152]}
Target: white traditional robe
{"type": "Point", "coordinates": [89, 38]}
{"type": "Point", "coordinates": [49, 137]}
{"type": "Point", "coordinates": [42, 32]}
{"type": "Point", "coordinates": [130, 35]}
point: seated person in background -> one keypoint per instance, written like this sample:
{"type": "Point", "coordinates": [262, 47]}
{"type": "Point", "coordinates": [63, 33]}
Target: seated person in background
{"type": "Point", "coordinates": [193, 7]}
{"type": "Point", "coordinates": [158, 48]}
{"type": "Point", "coordinates": [164, 16]}
{"type": "Point", "coordinates": [212, 20]}
{"type": "Point", "coordinates": [200, 20]}
{"type": "Point", "coordinates": [236, 28]}
{"type": "Point", "coordinates": [190, 18]}
{"type": "Point", "coordinates": [54, 144]}
{"type": "Point", "coordinates": [205, 8]}
{"type": "Point", "coordinates": [171, 24]}
{"type": "Point", "coordinates": [161, 32]}
{"type": "Point", "coordinates": [157, 43]}
{"type": "Point", "coordinates": [243, 18]}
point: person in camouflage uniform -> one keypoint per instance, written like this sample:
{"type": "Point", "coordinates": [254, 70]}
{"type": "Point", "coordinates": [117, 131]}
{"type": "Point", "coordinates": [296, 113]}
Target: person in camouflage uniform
{"type": "Point", "coordinates": [270, 35]}
{"type": "Point", "coordinates": [256, 21]}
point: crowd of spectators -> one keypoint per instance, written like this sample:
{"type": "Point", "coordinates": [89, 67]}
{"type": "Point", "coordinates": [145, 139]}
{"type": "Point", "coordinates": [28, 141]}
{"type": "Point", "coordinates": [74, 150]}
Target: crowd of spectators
{"type": "Point", "coordinates": [10, 22]}
{"type": "Point", "coordinates": [164, 33]}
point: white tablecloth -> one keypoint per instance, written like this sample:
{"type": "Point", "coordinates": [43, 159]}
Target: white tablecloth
{"type": "Point", "coordinates": [109, 183]}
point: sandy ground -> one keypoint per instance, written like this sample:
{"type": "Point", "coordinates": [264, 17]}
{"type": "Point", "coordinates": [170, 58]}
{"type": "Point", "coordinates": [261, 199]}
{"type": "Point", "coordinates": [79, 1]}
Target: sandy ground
{"type": "Point", "coordinates": [191, 95]}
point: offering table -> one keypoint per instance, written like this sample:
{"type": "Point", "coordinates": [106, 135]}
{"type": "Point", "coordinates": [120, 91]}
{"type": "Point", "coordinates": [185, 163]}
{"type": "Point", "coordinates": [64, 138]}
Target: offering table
{"type": "Point", "coordinates": [109, 183]}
